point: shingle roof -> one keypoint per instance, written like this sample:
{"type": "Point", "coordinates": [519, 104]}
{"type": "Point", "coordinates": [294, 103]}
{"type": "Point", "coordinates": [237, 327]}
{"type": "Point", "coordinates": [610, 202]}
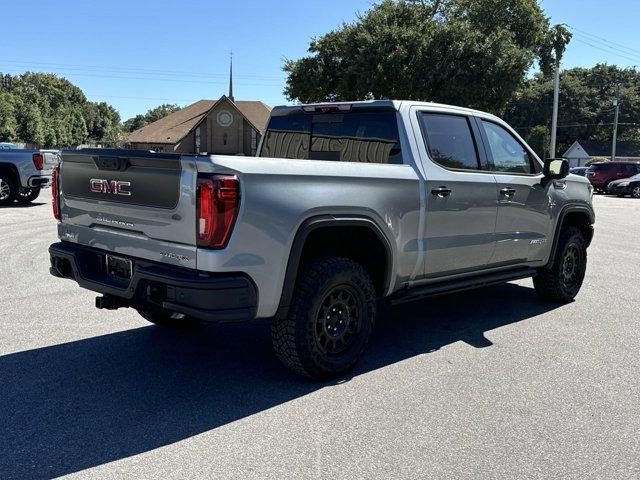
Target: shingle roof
{"type": "Point", "coordinates": [176, 126]}
{"type": "Point", "coordinates": [599, 148]}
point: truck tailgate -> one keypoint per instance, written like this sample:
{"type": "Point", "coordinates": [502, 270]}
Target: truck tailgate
{"type": "Point", "coordinates": [137, 203]}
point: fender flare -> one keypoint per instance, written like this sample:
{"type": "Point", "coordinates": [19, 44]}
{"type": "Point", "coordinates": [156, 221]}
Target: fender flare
{"type": "Point", "coordinates": [13, 169]}
{"type": "Point", "coordinates": [556, 235]}
{"type": "Point", "coordinates": [324, 221]}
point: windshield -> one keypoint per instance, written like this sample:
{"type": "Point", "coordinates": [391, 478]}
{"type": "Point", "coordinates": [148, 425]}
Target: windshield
{"type": "Point", "coordinates": [600, 167]}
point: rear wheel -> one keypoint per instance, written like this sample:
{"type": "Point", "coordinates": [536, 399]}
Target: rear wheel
{"type": "Point", "coordinates": [635, 191]}
{"type": "Point", "coordinates": [330, 319]}
{"type": "Point", "coordinates": [561, 281]}
{"type": "Point", "coordinates": [166, 319]}
{"type": "Point", "coordinates": [27, 195]}
{"type": "Point", "coordinates": [8, 189]}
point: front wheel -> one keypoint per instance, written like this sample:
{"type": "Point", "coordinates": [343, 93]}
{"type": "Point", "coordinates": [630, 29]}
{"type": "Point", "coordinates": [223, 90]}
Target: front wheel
{"type": "Point", "coordinates": [561, 281]}
{"type": "Point", "coordinates": [635, 191]}
{"type": "Point", "coordinates": [330, 319]}
{"type": "Point", "coordinates": [27, 195]}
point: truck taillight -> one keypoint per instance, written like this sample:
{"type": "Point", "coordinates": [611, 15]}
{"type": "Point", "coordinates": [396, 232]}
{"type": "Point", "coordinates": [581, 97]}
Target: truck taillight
{"type": "Point", "coordinates": [218, 200]}
{"type": "Point", "coordinates": [38, 161]}
{"type": "Point", "coordinates": [55, 192]}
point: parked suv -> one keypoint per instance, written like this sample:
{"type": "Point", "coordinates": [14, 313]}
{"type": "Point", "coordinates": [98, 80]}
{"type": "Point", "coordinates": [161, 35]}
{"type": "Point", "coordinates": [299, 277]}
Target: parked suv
{"type": "Point", "coordinates": [345, 204]}
{"type": "Point", "coordinates": [602, 173]}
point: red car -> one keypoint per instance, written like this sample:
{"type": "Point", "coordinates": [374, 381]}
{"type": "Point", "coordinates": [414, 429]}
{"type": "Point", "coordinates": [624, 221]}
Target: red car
{"type": "Point", "coordinates": [601, 174]}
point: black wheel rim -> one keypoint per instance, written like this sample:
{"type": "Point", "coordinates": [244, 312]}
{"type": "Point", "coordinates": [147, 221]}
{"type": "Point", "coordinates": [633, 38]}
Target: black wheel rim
{"type": "Point", "coordinates": [338, 320]}
{"type": "Point", "coordinates": [25, 192]}
{"type": "Point", "coordinates": [5, 190]}
{"type": "Point", "coordinates": [571, 263]}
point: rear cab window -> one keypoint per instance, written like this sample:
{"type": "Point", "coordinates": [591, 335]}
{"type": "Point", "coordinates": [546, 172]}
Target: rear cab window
{"type": "Point", "coordinates": [358, 136]}
{"type": "Point", "coordinates": [450, 141]}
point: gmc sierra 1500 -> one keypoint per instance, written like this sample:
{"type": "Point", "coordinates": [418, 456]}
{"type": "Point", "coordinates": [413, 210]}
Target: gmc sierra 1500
{"type": "Point", "coordinates": [346, 203]}
{"type": "Point", "coordinates": [23, 173]}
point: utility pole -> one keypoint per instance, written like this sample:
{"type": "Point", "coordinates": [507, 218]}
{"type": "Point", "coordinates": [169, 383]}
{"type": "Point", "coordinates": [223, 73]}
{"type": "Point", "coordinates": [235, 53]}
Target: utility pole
{"type": "Point", "coordinates": [616, 103]}
{"type": "Point", "coordinates": [554, 119]}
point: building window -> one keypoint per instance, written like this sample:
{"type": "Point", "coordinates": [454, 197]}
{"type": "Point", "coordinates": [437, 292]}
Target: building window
{"type": "Point", "coordinates": [157, 148]}
{"type": "Point", "coordinates": [197, 140]}
{"type": "Point", "coordinates": [254, 142]}
{"type": "Point", "coordinates": [225, 139]}
{"type": "Point", "coordinates": [225, 118]}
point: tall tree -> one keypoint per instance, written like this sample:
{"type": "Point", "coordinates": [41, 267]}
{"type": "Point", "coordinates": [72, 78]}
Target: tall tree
{"type": "Point", "coordinates": [467, 52]}
{"type": "Point", "coordinates": [8, 123]}
{"type": "Point", "coordinates": [586, 110]}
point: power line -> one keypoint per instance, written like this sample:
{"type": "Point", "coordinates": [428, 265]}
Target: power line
{"type": "Point", "coordinates": [610, 51]}
{"type": "Point", "coordinates": [148, 78]}
{"type": "Point", "coordinates": [579, 125]}
{"type": "Point", "coordinates": [605, 40]}
{"type": "Point", "coordinates": [119, 69]}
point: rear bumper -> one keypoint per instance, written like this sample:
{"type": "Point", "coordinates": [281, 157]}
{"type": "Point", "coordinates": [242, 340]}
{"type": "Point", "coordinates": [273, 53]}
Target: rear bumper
{"type": "Point", "coordinates": [39, 181]}
{"type": "Point", "coordinates": [203, 295]}
{"type": "Point", "coordinates": [618, 189]}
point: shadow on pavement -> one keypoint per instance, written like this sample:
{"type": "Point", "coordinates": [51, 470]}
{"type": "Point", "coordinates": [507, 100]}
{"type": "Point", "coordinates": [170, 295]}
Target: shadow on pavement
{"type": "Point", "coordinates": [77, 405]}
{"type": "Point", "coordinates": [22, 205]}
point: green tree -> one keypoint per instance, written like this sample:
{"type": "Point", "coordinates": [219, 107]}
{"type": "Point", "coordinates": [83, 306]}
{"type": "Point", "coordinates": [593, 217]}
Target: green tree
{"type": "Point", "coordinates": [586, 111]}
{"type": "Point", "coordinates": [31, 128]}
{"type": "Point", "coordinates": [538, 139]}
{"type": "Point", "coordinates": [8, 123]}
{"type": "Point", "coordinates": [102, 120]}
{"type": "Point", "coordinates": [467, 52]}
{"type": "Point", "coordinates": [52, 112]}
{"type": "Point", "coordinates": [151, 116]}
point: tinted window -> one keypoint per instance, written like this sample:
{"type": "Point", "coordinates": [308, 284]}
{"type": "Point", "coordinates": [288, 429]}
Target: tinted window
{"type": "Point", "coordinates": [507, 153]}
{"type": "Point", "coordinates": [287, 137]}
{"type": "Point", "coordinates": [450, 141]}
{"type": "Point", "coordinates": [370, 137]}
{"type": "Point", "coordinates": [599, 167]}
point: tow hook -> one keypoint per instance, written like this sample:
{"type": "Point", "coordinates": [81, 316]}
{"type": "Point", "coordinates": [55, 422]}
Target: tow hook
{"type": "Point", "coordinates": [109, 302]}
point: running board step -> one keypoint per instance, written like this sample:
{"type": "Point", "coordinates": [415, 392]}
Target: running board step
{"type": "Point", "coordinates": [460, 285]}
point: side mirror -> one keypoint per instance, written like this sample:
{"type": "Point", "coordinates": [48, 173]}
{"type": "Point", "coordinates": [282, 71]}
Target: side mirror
{"type": "Point", "coordinates": [556, 168]}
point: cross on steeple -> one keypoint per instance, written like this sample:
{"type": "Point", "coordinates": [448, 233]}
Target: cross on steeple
{"type": "Point", "coordinates": [231, 76]}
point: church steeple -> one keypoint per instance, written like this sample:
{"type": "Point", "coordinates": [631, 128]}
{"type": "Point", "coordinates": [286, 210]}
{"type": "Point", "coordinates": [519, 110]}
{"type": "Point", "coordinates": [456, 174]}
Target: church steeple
{"type": "Point", "coordinates": [231, 76]}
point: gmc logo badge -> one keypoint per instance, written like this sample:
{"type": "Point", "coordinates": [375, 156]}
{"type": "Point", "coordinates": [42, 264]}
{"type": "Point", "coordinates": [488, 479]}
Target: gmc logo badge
{"type": "Point", "coordinates": [113, 187]}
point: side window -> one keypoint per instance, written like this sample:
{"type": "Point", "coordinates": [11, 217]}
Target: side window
{"type": "Point", "coordinates": [450, 141]}
{"type": "Point", "coordinates": [508, 154]}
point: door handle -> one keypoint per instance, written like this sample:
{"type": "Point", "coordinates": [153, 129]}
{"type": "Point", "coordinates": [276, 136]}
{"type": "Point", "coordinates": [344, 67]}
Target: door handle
{"type": "Point", "coordinates": [441, 192]}
{"type": "Point", "coordinates": [508, 191]}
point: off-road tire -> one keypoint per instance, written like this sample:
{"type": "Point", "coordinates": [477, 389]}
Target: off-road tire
{"type": "Point", "coordinates": [300, 338]}
{"type": "Point", "coordinates": [8, 189]}
{"type": "Point", "coordinates": [163, 319]}
{"type": "Point", "coordinates": [27, 195]}
{"type": "Point", "coordinates": [561, 281]}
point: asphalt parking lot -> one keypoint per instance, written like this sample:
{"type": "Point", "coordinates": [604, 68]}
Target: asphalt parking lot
{"type": "Point", "coordinates": [486, 384]}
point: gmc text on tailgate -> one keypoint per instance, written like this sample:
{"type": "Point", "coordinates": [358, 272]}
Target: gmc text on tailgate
{"type": "Point", "coordinates": [346, 204]}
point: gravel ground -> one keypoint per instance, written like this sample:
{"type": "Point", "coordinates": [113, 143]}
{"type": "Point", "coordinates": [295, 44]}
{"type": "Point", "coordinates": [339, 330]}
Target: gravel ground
{"type": "Point", "coordinates": [486, 384]}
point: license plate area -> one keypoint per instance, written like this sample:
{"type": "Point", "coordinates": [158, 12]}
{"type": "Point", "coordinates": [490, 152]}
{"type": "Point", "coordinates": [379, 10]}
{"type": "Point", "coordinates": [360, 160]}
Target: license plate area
{"type": "Point", "coordinates": [118, 268]}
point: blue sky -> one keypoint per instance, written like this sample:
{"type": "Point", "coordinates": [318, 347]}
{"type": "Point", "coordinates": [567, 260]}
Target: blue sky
{"type": "Point", "coordinates": [138, 54]}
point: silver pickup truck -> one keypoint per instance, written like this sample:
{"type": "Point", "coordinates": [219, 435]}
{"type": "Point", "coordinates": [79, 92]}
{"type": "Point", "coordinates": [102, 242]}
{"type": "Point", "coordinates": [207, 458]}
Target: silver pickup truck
{"type": "Point", "coordinates": [346, 204]}
{"type": "Point", "coordinates": [23, 173]}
